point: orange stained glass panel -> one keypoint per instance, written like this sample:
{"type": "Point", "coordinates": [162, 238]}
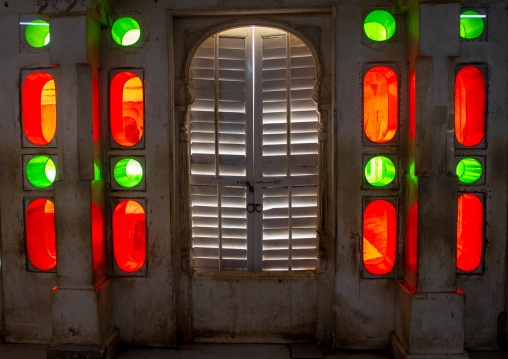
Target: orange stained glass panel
{"type": "Point", "coordinates": [380, 104]}
{"type": "Point", "coordinates": [129, 236]}
{"type": "Point", "coordinates": [126, 103]}
{"type": "Point", "coordinates": [39, 108]}
{"type": "Point", "coordinates": [469, 232]}
{"type": "Point", "coordinates": [469, 106]}
{"type": "Point", "coordinates": [379, 236]}
{"type": "Point", "coordinates": [40, 234]}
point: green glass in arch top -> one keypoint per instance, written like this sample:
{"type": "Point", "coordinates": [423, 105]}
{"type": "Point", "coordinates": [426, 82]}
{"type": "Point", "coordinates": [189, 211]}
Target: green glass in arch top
{"type": "Point", "coordinates": [469, 170]}
{"type": "Point", "coordinates": [37, 33]}
{"type": "Point", "coordinates": [41, 171]}
{"type": "Point", "coordinates": [126, 31]}
{"type": "Point", "coordinates": [379, 25]}
{"type": "Point", "coordinates": [380, 171]}
{"type": "Point", "coordinates": [471, 25]}
{"type": "Point", "coordinates": [128, 173]}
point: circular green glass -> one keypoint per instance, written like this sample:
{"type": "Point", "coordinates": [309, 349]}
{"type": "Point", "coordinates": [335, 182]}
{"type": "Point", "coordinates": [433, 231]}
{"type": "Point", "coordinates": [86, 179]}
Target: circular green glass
{"type": "Point", "coordinates": [41, 171]}
{"type": "Point", "coordinates": [379, 25]}
{"type": "Point", "coordinates": [380, 171]}
{"type": "Point", "coordinates": [126, 31]}
{"type": "Point", "coordinates": [469, 170]}
{"type": "Point", "coordinates": [128, 173]}
{"type": "Point", "coordinates": [471, 25]}
{"type": "Point", "coordinates": [37, 33]}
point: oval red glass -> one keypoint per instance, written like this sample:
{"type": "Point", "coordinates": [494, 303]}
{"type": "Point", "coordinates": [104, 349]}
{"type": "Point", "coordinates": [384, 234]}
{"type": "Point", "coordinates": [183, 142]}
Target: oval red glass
{"type": "Point", "coordinates": [379, 237]}
{"type": "Point", "coordinates": [129, 236]}
{"type": "Point", "coordinates": [380, 104]}
{"type": "Point", "coordinates": [126, 104]}
{"type": "Point", "coordinates": [40, 234]}
{"type": "Point", "coordinates": [469, 232]}
{"type": "Point", "coordinates": [469, 106]}
{"type": "Point", "coordinates": [39, 108]}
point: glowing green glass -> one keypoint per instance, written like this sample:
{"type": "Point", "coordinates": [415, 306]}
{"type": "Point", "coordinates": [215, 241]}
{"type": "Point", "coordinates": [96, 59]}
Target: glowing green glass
{"type": "Point", "coordinates": [128, 173]}
{"type": "Point", "coordinates": [471, 24]}
{"type": "Point", "coordinates": [379, 25]}
{"type": "Point", "coordinates": [126, 31]}
{"type": "Point", "coordinates": [96, 172]}
{"type": "Point", "coordinates": [469, 170]}
{"type": "Point", "coordinates": [412, 175]}
{"type": "Point", "coordinates": [41, 171]}
{"type": "Point", "coordinates": [379, 171]}
{"type": "Point", "coordinates": [37, 33]}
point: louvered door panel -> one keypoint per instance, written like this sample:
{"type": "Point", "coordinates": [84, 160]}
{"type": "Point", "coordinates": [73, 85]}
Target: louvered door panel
{"type": "Point", "coordinates": [304, 117]}
{"type": "Point", "coordinates": [202, 114]}
{"type": "Point", "coordinates": [254, 142]}
{"type": "Point", "coordinates": [231, 91]}
{"type": "Point", "coordinates": [289, 118]}
{"type": "Point", "coordinates": [275, 104]}
{"type": "Point", "coordinates": [205, 227]}
{"type": "Point", "coordinates": [276, 228]}
{"type": "Point", "coordinates": [303, 227]}
{"type": "Point", "coordinates": [233, 228]}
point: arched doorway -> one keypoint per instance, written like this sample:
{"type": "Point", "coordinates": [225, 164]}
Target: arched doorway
{"type": "Point", "coordinates": [253, 187]}
{"type": "Point", "coordinates": [253, 149]}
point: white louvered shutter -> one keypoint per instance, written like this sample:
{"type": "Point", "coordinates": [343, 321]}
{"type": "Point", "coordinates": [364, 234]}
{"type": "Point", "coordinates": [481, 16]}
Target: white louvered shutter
{"type": "Point", "coordinates": [289, 157]}
{"type": "Point", "coordinates": [253, 144]}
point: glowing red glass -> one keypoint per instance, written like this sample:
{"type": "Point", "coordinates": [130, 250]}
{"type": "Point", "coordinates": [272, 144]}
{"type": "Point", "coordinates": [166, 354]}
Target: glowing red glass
{"type": "Point", "coordinates": [469, 232]}
{"type": "Point", "coordinates": [469, 106]}
{"type": "Point", "coordinates": [379, 237]}
{"type": "Point", "coordinates": [129, 236]}
{"type": "Point", "coordinates": [39, 108]}
{"type": "Point", "coordinates": [411, 239]}
{"type": "Point", "coordinates": [126, 103]}
{"type": "Point", "coordinates": [96, 109]}
{"type": "Point", "coordinates": [98, 244]}
{"type": "Point", "coordinates": [380, 104]}
{"type": "Point", "coordinates": [412, 105]}
{"type": "Point", "coordinates": [40, 234]}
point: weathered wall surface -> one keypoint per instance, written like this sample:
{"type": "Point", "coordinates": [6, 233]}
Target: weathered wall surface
{"type": "Point", "coordinates": [148, 300]}
{"type": "Point", "coordinates": [485, 290]}
{"type": "Point", "coordinates": [364, 306]}
{"type": "Point", "coordinates": [164, 306]}
{"type": "Point", "coordinates": [27, 304]}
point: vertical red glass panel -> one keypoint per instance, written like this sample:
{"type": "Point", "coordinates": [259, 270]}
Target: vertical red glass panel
{"type": "Point", "coordinates": [126, 103]}
{"type": "Point", "coordinates": [98, 244]}
{"type": "Point", "coordinates": [379, 237]}
{"type": "Point", "coordinates": [412, 105]}
{"type": "Point", "coordinates": [96, 109]}
{"type": "Point", "coordinates": [40, 234]}
{"type": "Point", "coordinates": [380, 104]}
{"type": "Point", "coordinates": [129, 236]}
{"type": "Point", "coordinates": [412, 240]}
{"type": "Point", "coordinates": [469, 106]}
{"type": "Point", "coordinates": [39, 108]}
{"type": "Point", "coordinates": [469, 232]}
